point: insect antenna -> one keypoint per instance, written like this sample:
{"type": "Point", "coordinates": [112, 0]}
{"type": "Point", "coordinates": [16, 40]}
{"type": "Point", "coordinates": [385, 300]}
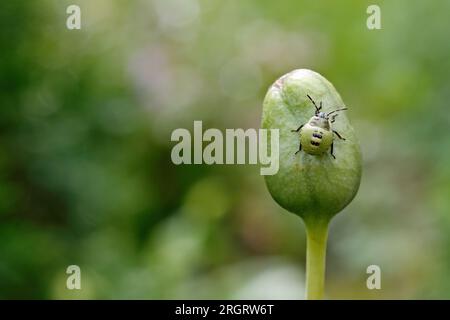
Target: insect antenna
{"type": "Point", "coordinates": [335, 111]}
{"type": "Point", "coordinates": [315, 105]}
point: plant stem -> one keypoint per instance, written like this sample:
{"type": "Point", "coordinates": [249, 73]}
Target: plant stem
{"type": "Point", "coordinates": [316, 239]}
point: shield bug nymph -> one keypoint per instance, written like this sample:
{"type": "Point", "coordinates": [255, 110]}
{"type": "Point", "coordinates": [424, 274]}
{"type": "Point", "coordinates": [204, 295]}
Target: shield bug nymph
{"type": "Point", "coordinates": [316, 136]}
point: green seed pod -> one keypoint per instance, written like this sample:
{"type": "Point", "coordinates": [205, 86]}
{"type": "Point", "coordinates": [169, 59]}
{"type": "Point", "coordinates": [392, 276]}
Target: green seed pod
{"type": "Point", "coordinates": [315, 187]}
{"type": "Point", "coordinates": [320, 179]}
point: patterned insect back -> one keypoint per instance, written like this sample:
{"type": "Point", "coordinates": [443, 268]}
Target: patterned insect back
{"type": "Point", "coordinates": [315, 140]}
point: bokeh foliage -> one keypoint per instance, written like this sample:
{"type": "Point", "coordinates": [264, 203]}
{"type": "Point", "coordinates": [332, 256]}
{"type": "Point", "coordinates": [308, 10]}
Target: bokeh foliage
{"type": "Point", "coordinates": [85, 170]}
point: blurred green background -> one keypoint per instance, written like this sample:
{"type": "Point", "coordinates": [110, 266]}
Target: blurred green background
{"type": "Point", "coordinates": [85, 171]}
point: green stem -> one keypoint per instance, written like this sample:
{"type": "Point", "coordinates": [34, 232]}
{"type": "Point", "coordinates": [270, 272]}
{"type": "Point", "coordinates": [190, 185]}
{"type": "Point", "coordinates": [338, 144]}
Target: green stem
{"type": "Point", "coordinates": [316, 239]}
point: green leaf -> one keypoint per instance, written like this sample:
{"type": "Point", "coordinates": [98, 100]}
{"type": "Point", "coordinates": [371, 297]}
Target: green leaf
{"type": "Point", "coordinates": [315, 187]}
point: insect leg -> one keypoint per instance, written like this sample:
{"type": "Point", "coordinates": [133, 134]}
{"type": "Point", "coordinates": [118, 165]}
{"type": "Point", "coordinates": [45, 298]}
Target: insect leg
{"type": "Point", "coordinates": [298, 129]}
{"type": "Point", "coordinates": [331, 151]}
{"type": "Point", "coordinates": [339, 136]}
{"type": "Point", "coordinates": [333, 118]}
{"type": "Point", "coordinates": [299, 148]}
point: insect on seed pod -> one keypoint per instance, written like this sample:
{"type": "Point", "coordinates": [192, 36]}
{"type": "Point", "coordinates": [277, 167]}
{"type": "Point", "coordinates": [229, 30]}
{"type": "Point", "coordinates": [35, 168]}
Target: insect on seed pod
{"type": "Point", "coordinates": [312, 184]}
{"type": "Point", "coordinates": [320, 159]}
